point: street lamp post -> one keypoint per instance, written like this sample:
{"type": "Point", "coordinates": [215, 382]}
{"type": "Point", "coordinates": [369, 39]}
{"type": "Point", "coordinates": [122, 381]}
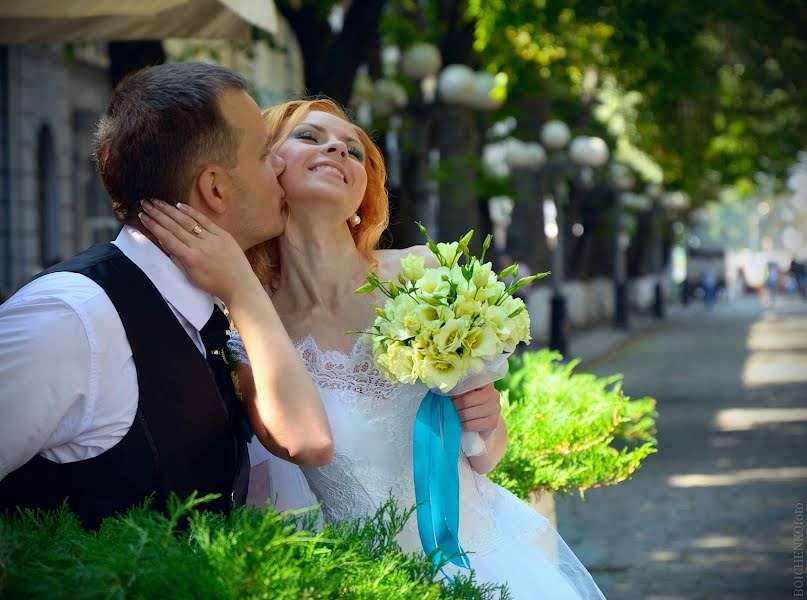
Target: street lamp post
{"type": "Point", "coordinates": [675, 203]}
{"type": "Point", "coordinates": [655, 192]}
{"type": "Point", "coordinates": [555, 135]}
{"type": "Point", "coordinates": [588, 153]}
{"type": "Point", "coordinates": [623, 180]}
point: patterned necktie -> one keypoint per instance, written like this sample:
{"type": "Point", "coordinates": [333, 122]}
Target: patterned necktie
{"type": "Point", "coordinates": [214, 337]}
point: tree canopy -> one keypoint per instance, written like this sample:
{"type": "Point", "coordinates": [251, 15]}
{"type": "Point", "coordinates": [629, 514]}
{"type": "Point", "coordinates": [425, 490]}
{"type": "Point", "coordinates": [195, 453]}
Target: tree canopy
{"type": "Point", "coordinates": [697, 95]}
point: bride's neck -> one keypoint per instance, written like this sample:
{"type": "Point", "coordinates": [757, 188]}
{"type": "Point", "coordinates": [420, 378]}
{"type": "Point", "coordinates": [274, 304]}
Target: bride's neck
{"type": "Point", "coordinates": [319, 266]}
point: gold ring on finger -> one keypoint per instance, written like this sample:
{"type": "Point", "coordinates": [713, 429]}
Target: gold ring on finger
{"type": "Point", "coordinates": [197, 230]}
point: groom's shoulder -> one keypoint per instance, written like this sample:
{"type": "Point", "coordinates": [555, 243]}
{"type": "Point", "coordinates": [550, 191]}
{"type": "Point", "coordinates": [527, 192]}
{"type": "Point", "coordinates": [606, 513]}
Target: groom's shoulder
{"type": "Point", "coordinates": [55, 294]}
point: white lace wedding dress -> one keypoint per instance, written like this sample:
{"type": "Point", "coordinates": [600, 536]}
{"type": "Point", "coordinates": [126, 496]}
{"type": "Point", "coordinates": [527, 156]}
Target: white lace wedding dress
{"type": "Point", "coordinates": [372, 422]}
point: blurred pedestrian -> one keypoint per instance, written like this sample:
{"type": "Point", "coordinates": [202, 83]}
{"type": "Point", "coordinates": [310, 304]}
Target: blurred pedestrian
{"type": "Point", "coordinates": [772, 280]}
{"type": "Point", "coordinates": [798, 270]}
{"type": "Point", "coordinates": [709, 282]}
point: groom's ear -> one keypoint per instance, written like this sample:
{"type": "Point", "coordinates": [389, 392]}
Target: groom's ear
{"type": "Point", "coordinates": [214, 188]}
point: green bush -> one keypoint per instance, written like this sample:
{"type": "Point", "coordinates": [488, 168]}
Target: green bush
{"type": "Point", "coordinates": [569, 431]}
{"type": "Point", "coordinates": [196, 554]}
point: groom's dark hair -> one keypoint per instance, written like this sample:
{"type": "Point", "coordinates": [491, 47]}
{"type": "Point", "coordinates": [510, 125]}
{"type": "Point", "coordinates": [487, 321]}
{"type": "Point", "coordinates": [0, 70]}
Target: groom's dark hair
{"type": "Point", "coordinates": [162, 125]}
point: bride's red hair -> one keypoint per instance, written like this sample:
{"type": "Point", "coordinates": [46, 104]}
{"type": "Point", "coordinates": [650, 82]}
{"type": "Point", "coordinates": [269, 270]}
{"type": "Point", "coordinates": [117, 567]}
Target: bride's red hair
{"type": "Point", "coordinates": [374, 207]}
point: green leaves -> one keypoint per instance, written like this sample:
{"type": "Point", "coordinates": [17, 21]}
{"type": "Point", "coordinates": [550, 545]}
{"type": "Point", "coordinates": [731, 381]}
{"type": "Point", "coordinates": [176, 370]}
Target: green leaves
{"type": "Point", "coordinates": [569, 431]}
{"type": "Point", "coordinates": [252, 554]}
{"type": "Point", "coordinates": [365, 289]}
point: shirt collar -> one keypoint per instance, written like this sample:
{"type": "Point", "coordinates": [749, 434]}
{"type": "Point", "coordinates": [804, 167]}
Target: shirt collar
{"type": "Point", "coordinates": [193, 303]}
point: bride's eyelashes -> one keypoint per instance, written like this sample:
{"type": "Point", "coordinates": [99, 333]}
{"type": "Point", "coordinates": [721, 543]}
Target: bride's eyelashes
{"type": "Point", "coordinates": [306, 134]}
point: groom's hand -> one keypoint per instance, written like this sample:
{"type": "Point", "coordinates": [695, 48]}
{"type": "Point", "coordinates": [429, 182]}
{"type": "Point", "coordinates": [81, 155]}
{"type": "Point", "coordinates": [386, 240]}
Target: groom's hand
{"type": "Point", "coordinates": [479, 410]}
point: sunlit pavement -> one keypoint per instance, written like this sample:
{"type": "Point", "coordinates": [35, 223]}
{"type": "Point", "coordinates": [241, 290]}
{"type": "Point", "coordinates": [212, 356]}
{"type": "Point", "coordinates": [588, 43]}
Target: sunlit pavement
{"type": "Point", "coordinates": [715, 513]}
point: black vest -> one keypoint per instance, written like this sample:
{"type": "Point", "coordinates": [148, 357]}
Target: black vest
{"type": "Point", "coordinates": [184, 437]}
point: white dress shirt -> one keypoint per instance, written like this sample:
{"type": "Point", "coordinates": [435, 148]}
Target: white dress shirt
{"type": "Point", "coordinates": [68, 384]}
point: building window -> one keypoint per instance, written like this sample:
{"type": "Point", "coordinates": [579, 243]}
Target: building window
{"type": "Point", "coordinates": [47, 183]}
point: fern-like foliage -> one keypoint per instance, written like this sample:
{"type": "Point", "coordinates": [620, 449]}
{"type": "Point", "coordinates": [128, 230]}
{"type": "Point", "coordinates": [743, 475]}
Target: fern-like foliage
{"type": "Point", "coordinates": [196, 554]}
{"type": "Point", "coordinates": [569, 431]}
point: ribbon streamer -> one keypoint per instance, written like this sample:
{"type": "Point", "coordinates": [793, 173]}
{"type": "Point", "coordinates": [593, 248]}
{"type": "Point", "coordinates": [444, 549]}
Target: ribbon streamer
{"type": "Point", "coordinates": [436, 447]}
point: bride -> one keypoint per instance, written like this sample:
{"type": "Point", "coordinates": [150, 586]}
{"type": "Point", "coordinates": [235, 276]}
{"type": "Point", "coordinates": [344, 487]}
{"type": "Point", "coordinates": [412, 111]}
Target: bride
{"type": "Point", "coordinates": [337, 210]}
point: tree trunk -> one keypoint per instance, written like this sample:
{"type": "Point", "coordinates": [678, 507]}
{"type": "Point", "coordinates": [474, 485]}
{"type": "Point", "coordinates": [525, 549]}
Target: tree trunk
{"type": "Point", "coordinates": [526, 239]}
{"type": "Point", "coordinates": [330, 60]}
{"type": "Point", "coordinates": [125, 57]}
{"type": "Point", "coordinates": [592, 212]}
{"type": "Point", "coordinates": [597, 243]}
{"type": "Point", "coordinates": [457, 141]}
{"type": "Point", "coordinates": [411, 201]}
{"type": "Point", "coordinates": [641, 250]}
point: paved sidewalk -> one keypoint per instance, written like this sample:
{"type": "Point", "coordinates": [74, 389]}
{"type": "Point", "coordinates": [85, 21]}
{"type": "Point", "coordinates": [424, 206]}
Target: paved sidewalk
{"type": "Point", "coordinates": [592, 345]}
{"type": "Point", "coordinates": [717, 513]}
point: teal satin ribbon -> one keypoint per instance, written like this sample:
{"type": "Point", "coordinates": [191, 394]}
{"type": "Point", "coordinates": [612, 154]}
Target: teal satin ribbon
{"type": "Point", "coordinates": [436, 447]}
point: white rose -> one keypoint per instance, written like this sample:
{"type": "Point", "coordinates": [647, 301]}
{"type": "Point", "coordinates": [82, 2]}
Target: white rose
{"type": "Point", "coordinates": [413, 267]}
{"type": "Point", "coordinates": [442, 372]}
{"type": "Point", "coordinates": [434, 282]}
{"type": "Point", "coordinates": [402, 363]}
{"type": "Point", "coordinates": [449, 252]}
{"type": "Point", "coordinates": [482, 342]}
{"type": "Point", "coordinates": [482, 274]}
{"type": "Point", "coordinates": [450, 336]}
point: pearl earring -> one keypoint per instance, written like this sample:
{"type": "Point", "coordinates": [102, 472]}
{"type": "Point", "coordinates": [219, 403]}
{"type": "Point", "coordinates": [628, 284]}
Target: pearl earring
{"type": "Point", "coordinates": [354, 220]}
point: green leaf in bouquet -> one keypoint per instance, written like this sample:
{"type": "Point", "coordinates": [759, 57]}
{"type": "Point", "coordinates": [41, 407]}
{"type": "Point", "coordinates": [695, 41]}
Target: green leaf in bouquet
{"type": "Point", "coordinates": [365, 289]}
{"type": "Point", "coordinates": [433, 300]}
{"type": "Point", "coordinates": [452, 292]}
{"type": "Point", "coordinates": [394, 290]}
{"type": "Point", "coordinates": [467, 272]}
{"type": "Point", "coordinates": [516, 312]}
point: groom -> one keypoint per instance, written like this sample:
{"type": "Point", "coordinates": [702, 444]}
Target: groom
{"type": "Point", "coordinates": [107, 390]}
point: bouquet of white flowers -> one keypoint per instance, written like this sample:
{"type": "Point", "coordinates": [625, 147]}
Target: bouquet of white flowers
{"type": "Point", "coordinates": [443, 325]}
{"type": "Point", "coordinates": [451, 327]}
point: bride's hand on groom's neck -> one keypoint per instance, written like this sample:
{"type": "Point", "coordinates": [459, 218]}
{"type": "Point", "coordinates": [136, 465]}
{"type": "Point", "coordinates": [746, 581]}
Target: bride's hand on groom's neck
{"type": "Point", "coordinates": [209, 255]}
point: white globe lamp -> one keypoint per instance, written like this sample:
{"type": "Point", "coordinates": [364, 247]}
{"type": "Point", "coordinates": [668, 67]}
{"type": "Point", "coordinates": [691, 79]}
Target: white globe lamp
{"type": "Point", "coordinates": [421, 60]}
{"type": "Point", "coordinates": [456, 84]}
{"type": "Point", "coordinates": [555, 135]}
{"type": "Point", "coordinates": [589, 151]}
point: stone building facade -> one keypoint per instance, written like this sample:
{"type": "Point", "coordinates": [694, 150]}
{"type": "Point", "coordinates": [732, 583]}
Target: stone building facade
{"type": "Point", "coordinates": [51, 201]}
